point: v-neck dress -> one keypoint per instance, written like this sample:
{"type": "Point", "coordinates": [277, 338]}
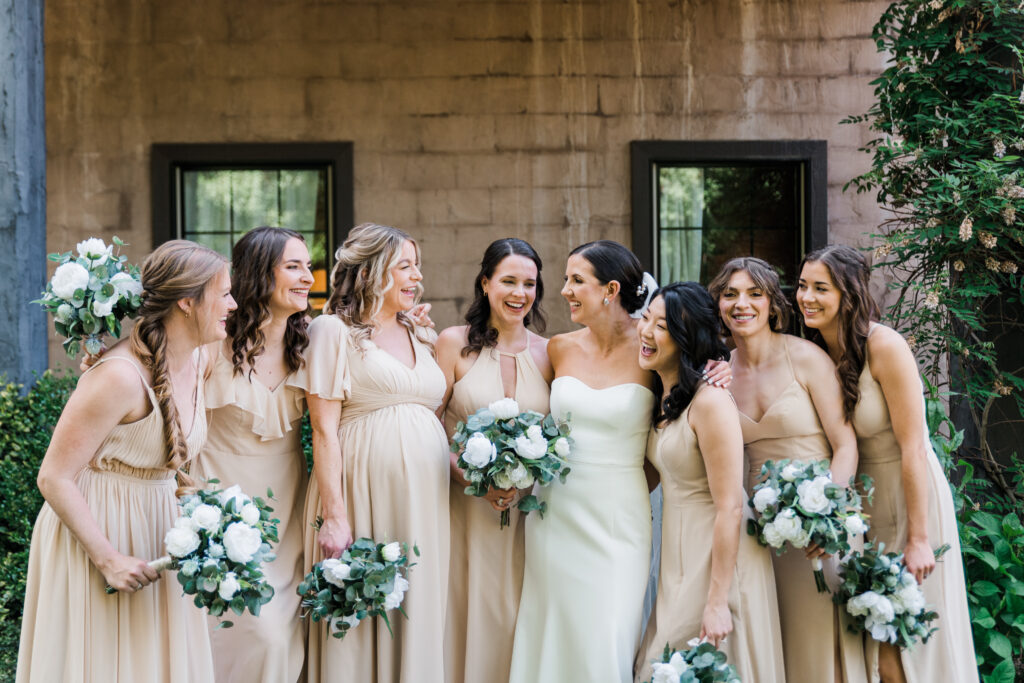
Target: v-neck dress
{"type": "Point", "coordinates": [72, 631]}
{"type": "Point", "coordinates": [254, 442]}
{"type": "Point", "coordinates": [486, 561]}
{"type": "Point", "coordinates": [395, 475]}
{"type": "Point", "coordinates": [813, 628]}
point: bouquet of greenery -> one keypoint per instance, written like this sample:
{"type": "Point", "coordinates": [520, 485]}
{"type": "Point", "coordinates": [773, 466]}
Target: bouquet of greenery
{"type": "Point", "coordinates": [702, 663]}
{"type": "Point", "coordinates": [797, 503]}
{"type": "Point", "coordinates": [90, 295]}
{"type": "Point", "coordinates": [501, 447]}
{"type": "Point", "coordinates": [218, 547]}
{"type": "Point", "coordinates": [884, 598]}
{"type": "Point", "coordinates": [368, 580]}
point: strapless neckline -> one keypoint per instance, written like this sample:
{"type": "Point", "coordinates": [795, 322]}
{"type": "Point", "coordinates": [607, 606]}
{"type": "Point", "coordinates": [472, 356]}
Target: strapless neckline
{"type": "Point", "coordinates": [614, 386]}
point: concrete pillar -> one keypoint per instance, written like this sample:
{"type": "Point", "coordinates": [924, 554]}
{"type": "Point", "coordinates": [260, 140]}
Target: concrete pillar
{"type": "Point", "coordinates": [23, 326]}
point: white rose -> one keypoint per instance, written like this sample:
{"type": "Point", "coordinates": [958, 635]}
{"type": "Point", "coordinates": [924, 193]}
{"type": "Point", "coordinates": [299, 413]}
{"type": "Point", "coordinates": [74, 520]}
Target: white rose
{"type": "Point", "coordinates": [502, 480]}
{"type": "Point", "coordinates": [101, 309]}
{"type": "Point", "coordinates": [521, 477]}
{"type": "Point", "coordinates": [95, 250]}
{"type": "Point", "coordinates": [883, 610]}
{"type": "Point", "coordinates": [791, 471]}
{"type": "Point", "coordinates": [185, 523]}
{"type": "Point", "coordinates": [233, 493]}
{"type": "Point", "coordinates": [476, 476]}
{"type": "Point", "coordinates": [664, 673]}
{"type": "Point", "coordinates": [764, 497]}
{"type": "Point", "coordinates": [562, 447]}
{"type": "Point", "coordinates": [126, 285]}
{"type": "Point", "coordinates": [504, 409]}
{"type": "Point", "coordinates": [811, 495]}
{"type": "Point", "coordinates": [401, 584]}
{"type": "Point", "coordinates": [855, 524]}
{"type": "Point", "coordinates": [772, 535]}
{"type": "Point", "coordinates": [907, 579]}
{"type": "Point", "coordinates": [215, 550]}
{"type": "Point", "coordinates": [64, 313]}
{"type": "Point", "coordinates": [241, 541]}
{"type": "Point", "coordinates": [228, 586]}
{"type": "Point", "coordinates": [392, 600]}
{"type": "Point", "coordinates": [206, 517]}
{"type": "Point", "coordinates": [391, 552]}
{"type": "Point", "coordinates": [335, 572]}
{"type": "Point", "coordinates": [190, 568]}
{"type": "Point", "coordinates": [531, 450]}
{"type": "Point", "coordinates": [801, 538]}
{"type": "Point", "coordinates": [535, 433]}
{"type": "Point", "coordinates": [181, 542]}
{"type": "Point", "coordinates": [883, 633]}
{"type": "Point", "coordinates": [69, 278]}
{"type": "Point", "coordinates": [479, 450]}
{"type": "Point", "coordinates": [910, 598]}
{"type": "Point", "coordinates": [787, 524]}
{"type": "Point", "coordinates": [250, 514]}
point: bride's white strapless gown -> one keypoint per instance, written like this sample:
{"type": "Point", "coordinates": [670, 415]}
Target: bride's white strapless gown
{"type": "Point", "coordinates": [588, 559]}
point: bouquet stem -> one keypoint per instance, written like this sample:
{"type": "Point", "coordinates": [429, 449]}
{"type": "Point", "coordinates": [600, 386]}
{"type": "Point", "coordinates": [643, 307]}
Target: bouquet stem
{"type": "Point", "coordinates": [505, 518]}
{"type": "Point", "coordinates": [159, 564]}
{"type": "Point", "coordinates": [819, 576]}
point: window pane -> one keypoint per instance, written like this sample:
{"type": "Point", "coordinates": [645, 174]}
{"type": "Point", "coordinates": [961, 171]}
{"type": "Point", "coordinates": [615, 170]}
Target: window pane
{"type": "Point", "coordinates": [219, 242]}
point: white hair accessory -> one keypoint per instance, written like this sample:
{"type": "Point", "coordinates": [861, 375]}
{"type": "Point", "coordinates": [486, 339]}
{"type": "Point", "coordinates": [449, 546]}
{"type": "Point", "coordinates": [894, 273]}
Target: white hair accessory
{"type": "Point", "coordinates": [649, 285]}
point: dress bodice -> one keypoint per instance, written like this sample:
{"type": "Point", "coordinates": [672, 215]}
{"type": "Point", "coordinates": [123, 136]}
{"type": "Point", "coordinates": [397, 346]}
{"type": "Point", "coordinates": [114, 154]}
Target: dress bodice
{"type": "Point", "coordinates": [609, 425]}
{"type": "Point", "coordinates": [876, 442]}
{"type": "Point", "coordinates": [674, 452]}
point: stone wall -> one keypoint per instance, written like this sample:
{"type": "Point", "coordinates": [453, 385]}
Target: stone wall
{"type": "Point", "coordinates": [470, 120]}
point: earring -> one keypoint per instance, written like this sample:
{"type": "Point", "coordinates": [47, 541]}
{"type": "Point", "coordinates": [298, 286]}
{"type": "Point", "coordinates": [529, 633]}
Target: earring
{"type": "Point", "coordinates": [606, 302]}
{"type": "Point", "coordinates": [187, 314]}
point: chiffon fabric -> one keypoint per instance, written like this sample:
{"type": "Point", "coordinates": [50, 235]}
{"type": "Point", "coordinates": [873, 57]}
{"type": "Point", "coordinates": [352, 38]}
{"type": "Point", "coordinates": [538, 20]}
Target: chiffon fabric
{"type": "Point", "coordinates": [72, 631]}
{"type": "Point", "coordinates": [949, 653]}
{"type": "Point", "coordinates": [486, 574]}
{"type": "Point", "coordinates": [395, 473]}
{"type": "Point", "coordinates": [688, 519]}
{"type": "Point", "coordinates": [587, 560]}
{"type": "Point", "coordinates": [814, 630]}
{"type": "Point", "coordinates": [254, 442]}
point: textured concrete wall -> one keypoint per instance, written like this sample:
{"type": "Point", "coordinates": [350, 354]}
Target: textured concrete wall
{"type": "Point", "coordinates": [22, 190]}
{"type": "Point", "coordinates": [471, 120]}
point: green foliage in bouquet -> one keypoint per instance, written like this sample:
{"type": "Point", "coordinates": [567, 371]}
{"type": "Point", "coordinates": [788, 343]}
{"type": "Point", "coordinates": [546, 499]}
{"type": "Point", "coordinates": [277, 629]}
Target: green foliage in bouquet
{"type": "Point", "coordinates": [702, 663]}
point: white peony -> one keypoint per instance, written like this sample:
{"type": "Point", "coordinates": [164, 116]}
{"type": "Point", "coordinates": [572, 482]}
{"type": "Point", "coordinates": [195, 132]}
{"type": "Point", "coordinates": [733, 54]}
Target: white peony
{"type": "Point", "coordinates": [479, 450]}
{"type": "Point", "coordinates": [801, 538]}
{"type": "Point", "coordinates": [181, 542]}
{"type": "Point", "coordinates": [395, 597]}
{"type": "Point", "coordinates": [233, 493]}
{"type": "Point", "coordinates": [504, 409]}
{"type": "Point", "coordinates": [791, 471]}
{"type": "Point", "coordinates": [228, 586]}
{"type": "Point", "coordinates": [391, 552]}
{"type": "Point", "coordinates": [882, 632]}
{"type": "Point", "coordinates": [185, 523]}
{"type": "Point", "coordinates": [765, 497]}
{"type": "Point", "coordinates": [788, 524]}
{"type": "Point", "coordinates": [206, 517]}
{"type": "Point", "coordinates": [95, 250]}
{"type": "Point", "coordinates": [772, 535]}
{"type": "Point", "coordinates": [101, 309]}
{"type": "Point", "coordinates": [664, 673]}
{"type": "Point", "coordinates": [502, 480]}
{"type": "Point", "coordinates": [250, 514]}
{"type": "Point", "coordinates": [520, 476]}
{"type": "Point", "coordinates": [64, 313]}
{"type": "Point", "coordinates": [529, 449]}
{"type": "Point", "coordinates": [535, 433]}
{"type": "Point", "coordinates": [215, 550]}
{"type": "Point", "coordinates": [241, 541]}
{"type": "Point", "coordinates": [562, 447]}
{"type": "Point", "coordinates": [335, 572]}
{"type": "Point", "coordinates": [907, 579]}
{"type": "Point", "coordinates": [855, 524]}
{"type": "Point", "coordinates": [908, 599]}
{"type": "Point", "coordinates": [125, 285]}
{"type": "Point", "coordinates": [811, 495]}
{"type": "Point", "coordinates": [68, 278]}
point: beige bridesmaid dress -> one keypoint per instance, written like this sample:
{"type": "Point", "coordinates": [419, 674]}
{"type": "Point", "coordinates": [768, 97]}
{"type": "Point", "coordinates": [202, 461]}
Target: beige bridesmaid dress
{"type": "Point", "coordinates": [949, 653]}
{"type": "Point", "coordinates": [688, 519]}
{"type": "Point", "coordinates": [72, 631]}
{"type": "Point", "coordinates": [254, 442]}
{"type": "Point", "coordinates": [395, 476]}
{"type": "Point", "coordinates": [486, 574]}
{"type": "Point", "coordinates": [814, 633]}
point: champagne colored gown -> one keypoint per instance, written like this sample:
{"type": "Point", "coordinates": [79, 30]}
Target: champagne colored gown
{"type": "Point", "coordinates": [813, 628]}
{"type": "Point", "coordinates": [949, 653]}
{"type": "Point", "coordinates": [688, 519]}
{"type": "Point", "coordinates": [254, 442]}
{"type": "Point", "coordinates": [588, 559]}
{"type": "Point", "coordinates": [486, 575]}
{"type": "Point", "coordinates": [395, 475]}
{"type": "Point", "coordinates": [72, 631]}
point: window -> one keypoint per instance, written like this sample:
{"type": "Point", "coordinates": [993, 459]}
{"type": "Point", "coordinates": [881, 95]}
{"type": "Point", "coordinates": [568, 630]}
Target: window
{"type": "Point", "coordinates": [214, 193]}
{"type": "Point", "coordinates": [698, 204]}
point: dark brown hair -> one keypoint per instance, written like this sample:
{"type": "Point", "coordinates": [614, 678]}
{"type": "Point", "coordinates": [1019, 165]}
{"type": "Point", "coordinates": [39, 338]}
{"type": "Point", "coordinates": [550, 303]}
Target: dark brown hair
{"type": "Point", "coordinates": [613, 262]}
{"type": "Point", "coordinates": [766, 279]}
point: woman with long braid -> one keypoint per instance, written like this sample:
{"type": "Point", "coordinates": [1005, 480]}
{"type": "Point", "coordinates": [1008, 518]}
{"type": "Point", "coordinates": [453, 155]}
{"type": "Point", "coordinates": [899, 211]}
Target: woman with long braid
{"type": "Point", "coordinates": [108, 478]}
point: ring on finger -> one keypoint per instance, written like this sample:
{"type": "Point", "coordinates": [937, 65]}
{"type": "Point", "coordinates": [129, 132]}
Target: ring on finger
{"type": "Point", "coordinates": [501, 501]}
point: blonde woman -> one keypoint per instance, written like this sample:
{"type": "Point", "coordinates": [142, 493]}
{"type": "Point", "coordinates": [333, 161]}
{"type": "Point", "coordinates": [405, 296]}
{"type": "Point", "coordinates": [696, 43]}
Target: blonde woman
{"type": "Point", "coordinates": [380, 454]}
{"type": "Point", "coordinates": [108, 478]}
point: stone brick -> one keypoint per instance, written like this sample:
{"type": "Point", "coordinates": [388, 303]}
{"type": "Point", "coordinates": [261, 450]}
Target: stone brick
{"type": "Point", "coordinates": [714, 93]}
{"type": "Point", "coordinates": [493, 170]}
{"type": "Point", "coordinates": [784, 95]}
{"type": "Point", "coordinates": [457, 133]}
{"type": "Point", "coordinates": [527, 205]}
{"type": "Point", "coordinates": [415, 23]}
{"type": "Point", "coordinates": [452, 208]}
{"type": "Point", "coordinates": [794, 19]}
{"type": "Point", "coordinates": [388, 207]}
{"type": "Point", "coordinates": [850, 19]}
{"type": "Point", "coordinates": [800, 57]}
{"type": "Point", "coordinates": [579, 169]}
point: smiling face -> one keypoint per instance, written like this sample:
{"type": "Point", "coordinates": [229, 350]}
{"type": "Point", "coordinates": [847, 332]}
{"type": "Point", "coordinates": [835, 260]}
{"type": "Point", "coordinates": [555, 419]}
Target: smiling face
{"type": "Point", "coordinates": [212, 312]}
{"type": "Point", "coordinates": [817, 296]}
{"type": "Point", "coordinates": [512, 289]}
{"type": "Point", "coordinates": [292, 279]}
{"type": "Point", "coordinates": [658, 351]}
{"type": "Point", "coordinates": [405, 281]}
{"type": "Point", "coordinates": [743, 306]}
{"type": "Point", "coordinates": [584, 292]}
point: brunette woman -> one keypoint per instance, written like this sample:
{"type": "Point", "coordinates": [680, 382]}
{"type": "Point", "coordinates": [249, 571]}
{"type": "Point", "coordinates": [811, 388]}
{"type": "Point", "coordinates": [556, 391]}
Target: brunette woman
{"type": "Point", "coordinates": [912, 511]}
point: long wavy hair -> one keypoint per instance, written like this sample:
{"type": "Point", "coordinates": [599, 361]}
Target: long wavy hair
{"type": "Point", "coordinates": [766, 279]}
{"type": "Point", "coordinates": [253, 261]}
{"type": "Point", "coordinates": [362, 276]}
{"type": "Point", "coordinates": [478, 315]}
{"type": "Point", "coordinates": [850, 274]}
{"type": "Point", "coordinates": [692, 320]}
{"type": "Point", "coordinates": [175, 270]}
{"type": "Point", "coordinates": [613, 262]}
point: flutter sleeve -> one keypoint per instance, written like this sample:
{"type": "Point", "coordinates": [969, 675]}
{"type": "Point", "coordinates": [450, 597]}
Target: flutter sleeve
{"type": "Point", "coordinates": [326, 372]}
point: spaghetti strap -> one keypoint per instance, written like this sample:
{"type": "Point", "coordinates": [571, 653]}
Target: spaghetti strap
{"type": "Point", "coordinates": [789, 361]}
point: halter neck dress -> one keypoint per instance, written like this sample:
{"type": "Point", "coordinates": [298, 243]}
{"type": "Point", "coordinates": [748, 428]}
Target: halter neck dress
{"type": "Point", "coordinates": [72, 631]}
{"type": "Point", "coordinates": [486, 572]}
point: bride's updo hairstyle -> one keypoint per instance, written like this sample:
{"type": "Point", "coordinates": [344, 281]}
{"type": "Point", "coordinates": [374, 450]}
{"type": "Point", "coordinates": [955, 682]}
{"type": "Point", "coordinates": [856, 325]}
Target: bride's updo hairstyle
{"type": "Point", "coordinates": [478, 315]}
{"type": "Point", "coordinates": [766, 279]}
{"type": "Point", "coordinates": [176, 270]}
{"type": "Point", "coordinates": [692, 321]}
{"type": "Point", "coordinates": [613, 262]}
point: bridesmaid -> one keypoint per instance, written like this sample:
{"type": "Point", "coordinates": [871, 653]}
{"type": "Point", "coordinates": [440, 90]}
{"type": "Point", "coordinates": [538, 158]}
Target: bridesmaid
{"type": "Point", "coordinates": [697, 447]}
{"type": "Point", "coordinates": [491, 357]}
{"type": "Point", "coordinates": [380, 456]}
{"type": "Point", "coordinates": [913, 507]}
{"type": "Point", "coordinates": [108, 478]}
{"type": "Point", "coordinates": [790, 406]}
{"type": "Point", "coordinates": [254, 440]}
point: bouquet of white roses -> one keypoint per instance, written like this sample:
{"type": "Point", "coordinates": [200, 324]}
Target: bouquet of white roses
{"type": "Point", "coordinates": [500, 447]}
{"type": "Point", "coordinates": [702, 663]}
{"type": "Point", "coordinates": [368, 580]}
{"type": "Point", "coordinates": [90, 295]}
{"type": "Point", "coordinates": [798, 503]}
{"type": "Point", "coordinates": [218, 547]}
{"type": "Point", "coordinates": [884, 598]}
